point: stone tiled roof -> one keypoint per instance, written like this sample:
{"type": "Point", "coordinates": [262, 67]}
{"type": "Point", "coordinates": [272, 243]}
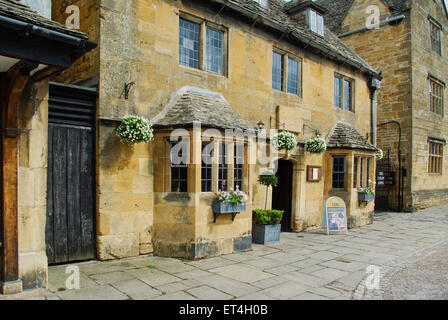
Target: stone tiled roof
{"type": "Point", "coordinates": [190, 104]}
{"type": "Point", "coordinates": [274, 16]}
{"type": "Point", "coordinates": [338, 9]}
{"type": "Point", "coordinates": [344, 136]}
{"type": "Point", "coordinates": [18, 11]}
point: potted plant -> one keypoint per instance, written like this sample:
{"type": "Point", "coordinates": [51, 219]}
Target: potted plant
{"type": "Point", "coordinates": [266, 223]}
{"type": "Point", "coordinates": [379, 154]}
{"type": "Point", "coordinates": [316, 145]}
{"type": "Point", "coordinates": [266, 228]}
{"type": "Point", "coordinates": [135, 129]}
{"type": "Point", "coordinates": [367, 193]}
{"type": "Point", "coordinates": [284, 141]}
{"type": "Point", "coordinates": [229, 202]}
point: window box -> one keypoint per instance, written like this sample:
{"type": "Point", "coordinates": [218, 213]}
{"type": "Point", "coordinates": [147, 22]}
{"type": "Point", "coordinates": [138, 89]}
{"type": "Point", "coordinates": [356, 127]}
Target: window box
{"type": "Point", "coordinates": [220, 208]}
{"type": "Point", "coordinates": [266, 234]}
{"type": "Point", "coordinates": [366, 197]}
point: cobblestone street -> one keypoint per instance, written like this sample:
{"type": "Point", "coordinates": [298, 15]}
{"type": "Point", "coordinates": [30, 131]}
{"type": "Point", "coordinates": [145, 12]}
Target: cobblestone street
{"type": "Point", "coordinates": [410, 248]}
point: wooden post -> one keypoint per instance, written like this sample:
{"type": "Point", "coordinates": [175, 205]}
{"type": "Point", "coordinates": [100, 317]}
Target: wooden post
{"type": "Point", "coordinates": [12, 87]}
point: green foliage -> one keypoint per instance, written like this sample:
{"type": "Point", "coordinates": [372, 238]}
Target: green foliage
{"type": "Point", "coordinates": [284, 141]}
{"type": "Point", "coordinates": [268, 180]}
{"type": "Point", "coordinates": [316, 145]}
{"type": "Point", "coordinates": [379, 154]}
{"type": "Point", "coordinates": [134, 129]}
{"type": "Point", "coordinates": [267, 217]}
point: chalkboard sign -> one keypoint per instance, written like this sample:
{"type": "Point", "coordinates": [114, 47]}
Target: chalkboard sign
{"type": "Point", "coordinates": [335, 215]}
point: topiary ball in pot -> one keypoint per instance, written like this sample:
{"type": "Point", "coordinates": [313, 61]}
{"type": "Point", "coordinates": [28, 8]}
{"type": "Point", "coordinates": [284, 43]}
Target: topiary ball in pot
{"type": "Point", "coordinates": [135, 129]}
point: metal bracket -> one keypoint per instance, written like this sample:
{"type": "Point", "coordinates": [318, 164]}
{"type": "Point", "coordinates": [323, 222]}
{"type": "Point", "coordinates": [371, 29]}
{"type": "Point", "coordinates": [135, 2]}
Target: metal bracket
{"type": "Point", "coordinates": [218, 214]}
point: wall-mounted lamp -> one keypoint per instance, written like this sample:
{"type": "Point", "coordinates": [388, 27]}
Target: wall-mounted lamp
{"type": "Point", "coordinates": [317, 132]}
{"type": "Point", "coordinates": [260, 125]}
{"type": "Point", "coordinates": [127, 88]}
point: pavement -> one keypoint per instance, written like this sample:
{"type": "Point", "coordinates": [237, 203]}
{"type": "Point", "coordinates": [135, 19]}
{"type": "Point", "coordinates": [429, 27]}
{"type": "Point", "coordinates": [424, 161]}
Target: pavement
{"type": "Point", "coordinates": [303, 266]}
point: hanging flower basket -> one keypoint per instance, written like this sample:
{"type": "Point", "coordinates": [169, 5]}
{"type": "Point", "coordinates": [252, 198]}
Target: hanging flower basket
{"type": "Point", "coordinates": [379, 154]}
{"type": "Point", "coordinates": [284, 141]}
{"type": "Point", "coordinates": [316, 145]}
{"type": "Point", "coordinates": [135, 129]}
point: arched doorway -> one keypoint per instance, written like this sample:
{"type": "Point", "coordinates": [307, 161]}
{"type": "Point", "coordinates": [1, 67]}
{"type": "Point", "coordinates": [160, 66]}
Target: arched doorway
{"type": "Point", "coordinates": [282, 194]}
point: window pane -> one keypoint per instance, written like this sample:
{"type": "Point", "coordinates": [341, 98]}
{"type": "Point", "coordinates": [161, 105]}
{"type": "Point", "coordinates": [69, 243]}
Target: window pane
{"type": "Point", "coordinates": [238, 163]}
{"type": "Point", "coordinates": [313, 20]}
{"type": "Point", "coordinates": [277, 71]}
{"type": "Point", "coordinates": [214, 51]}
{"type": "Point", "coordinates": [320, 24]}
{"type": "Point", "coordinates": [355, 173]}
{"type": "Point", "coordinates": [222, 169]}
{"type": "Point", "coordinates": [337, 92]}
{"type": "Point", "coordinates": [188, 43]}
{"type": "Point", "coordinates": [347, 95]}
{"type": "Point", "coordinates": [178, 173]}
{"type": "Point", "coordinates": [338, 172]}
{"type": "Point", "coordinates": [293, 76]}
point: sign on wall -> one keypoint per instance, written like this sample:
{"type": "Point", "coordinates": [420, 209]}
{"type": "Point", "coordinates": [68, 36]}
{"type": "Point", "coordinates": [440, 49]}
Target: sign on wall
{"type": "Point", "coordinates": [335, 215]}
{"type": "Point", "coordinates": [314, 173]}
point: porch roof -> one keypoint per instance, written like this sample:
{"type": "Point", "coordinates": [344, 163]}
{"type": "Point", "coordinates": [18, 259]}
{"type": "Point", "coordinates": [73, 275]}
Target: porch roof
{"type": "Point", "coordinates": [345, 136]}
{"type": "Point", "coordinates": [189, 105]}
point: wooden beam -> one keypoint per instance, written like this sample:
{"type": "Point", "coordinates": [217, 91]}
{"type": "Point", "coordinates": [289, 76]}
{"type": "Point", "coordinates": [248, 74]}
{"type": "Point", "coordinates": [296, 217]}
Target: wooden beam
{"type": "Point", "coordinates": [13, 83]}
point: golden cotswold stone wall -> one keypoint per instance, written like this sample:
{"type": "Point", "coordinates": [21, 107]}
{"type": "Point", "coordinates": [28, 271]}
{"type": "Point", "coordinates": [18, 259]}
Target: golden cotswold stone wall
{"type": "Point", "coordinates": [32, 185]}
{"type": "Point", "coordinates": [139, 43]}
{"type": "Point", "coordinates": [403, 52]}
{"type": "Point", "coordinates": [427, 189]}
{"type": "Point", "coordinates": [389, 48]}
{"type": "Point", "coordinates": [88, 65]}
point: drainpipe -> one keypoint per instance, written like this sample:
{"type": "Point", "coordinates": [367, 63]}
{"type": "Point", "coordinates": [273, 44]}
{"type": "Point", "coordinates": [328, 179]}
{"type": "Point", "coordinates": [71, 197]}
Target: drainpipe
{"type": "Point", "coordinates": [374, 84]}
{"type": "Point", "coordinates": [361, 29]}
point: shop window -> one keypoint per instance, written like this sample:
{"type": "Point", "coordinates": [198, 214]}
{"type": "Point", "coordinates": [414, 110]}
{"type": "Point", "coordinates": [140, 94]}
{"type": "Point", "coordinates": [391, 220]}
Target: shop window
{"type": "Point", "coordinates": [223, 167]}
{"type": "Point", "coordinates": [206, 168]}
{"type": "Point", "coordinates": [355, 172]}
{"type": "Point", "coordinates": [338, 172]}
{"type": "Point", "coordinates": [238, 162]}
{"type": "Point", "coordinates": [179, 170]}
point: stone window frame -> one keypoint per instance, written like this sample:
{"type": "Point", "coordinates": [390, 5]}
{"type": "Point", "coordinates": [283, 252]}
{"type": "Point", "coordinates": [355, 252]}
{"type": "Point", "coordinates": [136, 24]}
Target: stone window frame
{"type": "Point", "coordinates": [435, 34]}
{"type": "Point", "coordinates": [435, 157]}
{"type": "Point", "coordinates": [205, 24]}
{"type": "Point", "coordinates": [230, 167]}
{"type": "Point", "coordinates": [363, 171]}
{"type": "Point", "coordinates": [341, 93]}
{"type": "Point", "coordinates": [436, 96]}
{"type": "Point", "coordinates": [286, 56]}
{"type": "Point", "coordinates": [319, 22]}
{"type": "Point", "coordinates": [344, 172]}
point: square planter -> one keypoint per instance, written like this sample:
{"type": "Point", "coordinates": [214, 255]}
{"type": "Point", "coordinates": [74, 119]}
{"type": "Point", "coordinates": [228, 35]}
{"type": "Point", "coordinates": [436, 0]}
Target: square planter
{"type": "Point", "coordinates": [224, 208]}
{"type": "Point", "coordinates": [366, 197]}
{"type": "Point", "coordinates": [266, 234]}
{"type": "Point", "coordinates": [221, 207]}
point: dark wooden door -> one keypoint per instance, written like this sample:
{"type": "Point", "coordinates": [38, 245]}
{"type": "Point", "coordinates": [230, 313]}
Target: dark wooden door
{"type": "Point", "coordinates": [282, 194]}
{"type": "Point", "coordinates": [70, 227]}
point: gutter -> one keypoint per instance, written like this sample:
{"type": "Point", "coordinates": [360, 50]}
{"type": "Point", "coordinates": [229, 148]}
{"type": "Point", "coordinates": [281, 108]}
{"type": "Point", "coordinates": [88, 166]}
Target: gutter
{"type": "Point", "coordinates": [385, 21]}
{"type": "Point", "coordinates": [28, 28]}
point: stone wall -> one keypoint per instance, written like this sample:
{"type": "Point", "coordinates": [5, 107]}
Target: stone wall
{"type": "Point", "coordinates": [426, 123]}
{"type": "Point", "coordinates": [86, 69]}
{"type": "Point", "coordinates": [32, 185]}
{"type": "Point", "coordinates": [139, 43]}
{"type": "Point", "coordinates": [388, 48]}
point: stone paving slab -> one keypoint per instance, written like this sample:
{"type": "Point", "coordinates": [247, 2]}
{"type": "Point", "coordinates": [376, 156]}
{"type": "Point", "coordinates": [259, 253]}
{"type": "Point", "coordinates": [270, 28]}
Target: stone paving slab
{"type": "Point", "coordinates": [306, 265]}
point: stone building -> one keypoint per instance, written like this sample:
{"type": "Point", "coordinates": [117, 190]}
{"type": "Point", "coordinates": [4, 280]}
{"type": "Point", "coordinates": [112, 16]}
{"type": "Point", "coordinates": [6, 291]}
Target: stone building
{"type": "Point", "coordinates": [182, 62]}
{"type": "Point", "coordinates": [409, 47]}
{"type": "Point", "coordinates": [199, 69]}
{"type": "Point", "coordinates": [32, 49]}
